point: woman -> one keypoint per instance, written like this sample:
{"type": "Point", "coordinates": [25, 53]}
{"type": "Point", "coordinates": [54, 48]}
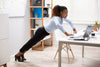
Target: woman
{"type": "Point", "coordinates": [59, 14]}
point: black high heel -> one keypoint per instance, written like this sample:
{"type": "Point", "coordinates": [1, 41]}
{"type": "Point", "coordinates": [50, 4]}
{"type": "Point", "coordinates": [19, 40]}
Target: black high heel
{"type": "Point", "coordinates": [23, 58]}
{"type": "Point", "coordinates": [18, 58]}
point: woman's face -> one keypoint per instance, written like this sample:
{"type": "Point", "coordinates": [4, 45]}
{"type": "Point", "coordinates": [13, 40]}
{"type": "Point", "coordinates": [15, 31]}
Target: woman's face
{"type": "Point", "coordinates": [64, 13]}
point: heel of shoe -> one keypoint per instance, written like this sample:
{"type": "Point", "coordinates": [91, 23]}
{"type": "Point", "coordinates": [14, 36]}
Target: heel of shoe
{"type": "Point", "coordinates": [23, 58]}
{"type": "Point", "coordinates": [18, 58]}
{"type": "Point", "coordinates": [15, 59]}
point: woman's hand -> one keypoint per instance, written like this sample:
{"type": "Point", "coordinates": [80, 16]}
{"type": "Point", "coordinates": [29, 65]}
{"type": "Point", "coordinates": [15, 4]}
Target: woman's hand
{"type": "Point", "coordinates": [74, 30]}
{"type": "Point", "coordinates": [68, 34]}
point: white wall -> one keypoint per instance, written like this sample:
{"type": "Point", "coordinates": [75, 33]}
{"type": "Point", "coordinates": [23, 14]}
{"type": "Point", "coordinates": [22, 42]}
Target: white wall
{"type": "Point", "coordinates": [2, 6]}
{"type": "Point", "coordinates": [15, 7]}
{"type": "Point", "coordinates": [99, 10]}
{"type": "Point", "coordinates": [19, 26]}
{"type": "Point", "coordinates": [19, 33]}
{"type": "Point", "coordinates": [4, 39]}
{"type": "Point", "coordinates": [84, 10]}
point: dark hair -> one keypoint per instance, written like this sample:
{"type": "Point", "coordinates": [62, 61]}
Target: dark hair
{"type": "Point", "coordinates": [57, 9]}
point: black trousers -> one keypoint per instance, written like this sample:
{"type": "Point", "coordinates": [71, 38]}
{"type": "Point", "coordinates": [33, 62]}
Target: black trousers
{"type": "Point", "coordinates": [39, 35]}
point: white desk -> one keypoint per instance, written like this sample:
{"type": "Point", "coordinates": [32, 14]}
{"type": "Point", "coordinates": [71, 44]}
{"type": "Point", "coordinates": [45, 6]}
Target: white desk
{"type": "Point", "coordinates": [93, 41]}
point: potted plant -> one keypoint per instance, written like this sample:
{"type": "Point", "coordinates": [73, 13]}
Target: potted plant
{"type": "Point", "coordinates": [96, 25]}
{"type": "Point", "coordinates": [37, 25]}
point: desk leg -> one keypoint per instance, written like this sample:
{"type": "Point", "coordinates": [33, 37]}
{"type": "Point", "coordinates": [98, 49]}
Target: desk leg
{"type": "Point", "coordinates": [82, 51]}
{"type": "Point", "coordinates": [59, 56]}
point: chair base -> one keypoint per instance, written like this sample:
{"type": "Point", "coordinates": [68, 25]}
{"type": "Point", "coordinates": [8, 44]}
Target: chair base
{"type": "Point", "coordinates": [67, 47]}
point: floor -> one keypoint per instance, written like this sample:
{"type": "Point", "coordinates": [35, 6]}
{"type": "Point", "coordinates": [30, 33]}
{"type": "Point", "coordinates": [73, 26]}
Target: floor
{"type": "Point", "coordinates": [45, 58]}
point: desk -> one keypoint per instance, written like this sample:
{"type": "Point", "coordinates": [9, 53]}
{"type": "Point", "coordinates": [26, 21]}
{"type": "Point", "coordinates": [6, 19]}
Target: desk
{"type": "Point", "coordinates": [93, 41]}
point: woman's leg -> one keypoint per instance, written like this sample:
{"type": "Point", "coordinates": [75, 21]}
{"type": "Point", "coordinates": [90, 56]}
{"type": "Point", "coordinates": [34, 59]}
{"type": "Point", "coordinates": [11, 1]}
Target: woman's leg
{"type": "Point", "coordinates": [39, 35]}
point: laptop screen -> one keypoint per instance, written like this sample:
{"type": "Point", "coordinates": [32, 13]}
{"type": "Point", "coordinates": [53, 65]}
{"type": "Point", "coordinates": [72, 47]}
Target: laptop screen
{"type": "Point", "coordinates": [88, 31]}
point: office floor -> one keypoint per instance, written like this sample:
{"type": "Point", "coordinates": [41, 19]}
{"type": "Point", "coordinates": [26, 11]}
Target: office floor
{"type": "Point", "coordinates": [45, 58]}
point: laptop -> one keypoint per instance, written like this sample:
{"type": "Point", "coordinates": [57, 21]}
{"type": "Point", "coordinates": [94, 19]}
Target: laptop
{"type": "Point", "coordinates": [85, 36]}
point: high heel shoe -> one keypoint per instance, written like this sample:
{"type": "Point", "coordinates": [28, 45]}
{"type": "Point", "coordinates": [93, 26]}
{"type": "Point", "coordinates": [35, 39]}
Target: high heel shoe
{"type": "Point", "coordinates": [23, 58]}
{"type": "Point", "coordinates": [18, 58]}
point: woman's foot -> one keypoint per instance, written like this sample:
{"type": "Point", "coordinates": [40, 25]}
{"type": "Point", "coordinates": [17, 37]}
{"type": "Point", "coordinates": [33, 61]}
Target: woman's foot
{"type": "Point", "coordinates": [23, 58]}
{"type": "Point", "coordinates": [18, 58]}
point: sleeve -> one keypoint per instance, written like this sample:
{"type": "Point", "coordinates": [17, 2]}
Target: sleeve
{"type": "Point", "coordinates": [59, 26]}
{"type": "Point", "coordinates": [71, 24]}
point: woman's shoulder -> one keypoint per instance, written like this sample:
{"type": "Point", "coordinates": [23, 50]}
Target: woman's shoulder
{"type": "Point", "coordinates": [56, 17]}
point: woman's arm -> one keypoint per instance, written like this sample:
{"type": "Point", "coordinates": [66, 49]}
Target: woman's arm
{"type": "Point", "coordinates": [59, 26]}
{"type": "Point", "coordinates": [71, 24]}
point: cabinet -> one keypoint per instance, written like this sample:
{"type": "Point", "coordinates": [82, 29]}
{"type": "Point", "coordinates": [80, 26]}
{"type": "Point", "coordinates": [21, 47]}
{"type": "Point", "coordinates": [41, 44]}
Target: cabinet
{"type": "Point", "coordinates": [4, 40]}
{"type": "Point", "coordinates": [39, 11]}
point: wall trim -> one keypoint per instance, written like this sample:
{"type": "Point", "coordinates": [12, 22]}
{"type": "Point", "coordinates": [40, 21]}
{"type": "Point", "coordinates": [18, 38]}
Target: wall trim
{"type": "Point", "coordinates": [16, 16]}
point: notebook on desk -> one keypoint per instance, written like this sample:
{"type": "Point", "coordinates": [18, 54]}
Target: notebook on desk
{"type": "Point", "coordinates": [85, 36]}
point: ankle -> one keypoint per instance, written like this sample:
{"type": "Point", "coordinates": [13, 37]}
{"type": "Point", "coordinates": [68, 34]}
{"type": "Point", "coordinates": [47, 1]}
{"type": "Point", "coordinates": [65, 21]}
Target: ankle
{"type": "Point", "coordinates": [19, 53]}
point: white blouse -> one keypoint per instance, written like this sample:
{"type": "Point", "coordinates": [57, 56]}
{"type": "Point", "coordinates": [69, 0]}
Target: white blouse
{"type": "Point", "coordinates": [56, 23]}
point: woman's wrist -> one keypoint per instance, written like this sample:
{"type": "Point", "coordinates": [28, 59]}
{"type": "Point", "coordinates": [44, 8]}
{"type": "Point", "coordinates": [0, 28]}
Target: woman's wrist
{"type": "Point", "coordinates": [66, 33]}
{"type": "Point", "coordinates": [74, 30]}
